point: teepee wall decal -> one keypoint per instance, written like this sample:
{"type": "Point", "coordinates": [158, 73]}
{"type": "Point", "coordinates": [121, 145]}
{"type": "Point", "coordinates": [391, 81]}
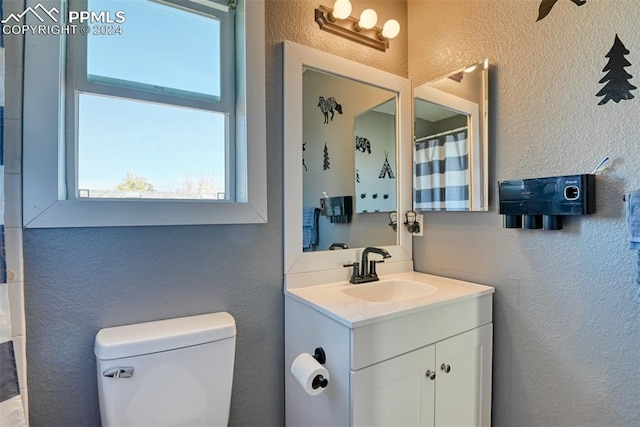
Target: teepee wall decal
{"type": "Point", "coordinates": [386, 167]}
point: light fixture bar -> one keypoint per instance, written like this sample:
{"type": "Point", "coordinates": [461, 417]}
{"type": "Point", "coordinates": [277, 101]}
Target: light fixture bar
{"type": "Point", "coordinates": [345, 28]}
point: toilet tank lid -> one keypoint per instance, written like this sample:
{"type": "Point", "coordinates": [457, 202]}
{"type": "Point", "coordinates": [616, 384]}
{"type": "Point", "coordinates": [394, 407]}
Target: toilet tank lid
{"type": "Point", "coordinates": [162, 335]}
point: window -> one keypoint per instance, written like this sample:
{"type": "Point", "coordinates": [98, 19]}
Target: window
{"type": "Point", "coordinates": [167, 98]}
{"type": "Point", "coordinates": [160, 119]}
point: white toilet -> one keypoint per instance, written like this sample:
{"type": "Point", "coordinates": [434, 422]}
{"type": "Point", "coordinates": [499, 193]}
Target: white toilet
{"type": "Point", "coordinates": [175, 372]}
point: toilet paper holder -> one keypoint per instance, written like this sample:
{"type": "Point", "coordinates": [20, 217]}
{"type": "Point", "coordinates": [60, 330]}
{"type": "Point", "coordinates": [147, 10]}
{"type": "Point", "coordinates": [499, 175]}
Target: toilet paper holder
{"type": "Point", "coordinates": [319, 381]}
{"type": "Point", "coordinates": [308, 371]}
{"type": "Point", "coordinates": [320, 355]}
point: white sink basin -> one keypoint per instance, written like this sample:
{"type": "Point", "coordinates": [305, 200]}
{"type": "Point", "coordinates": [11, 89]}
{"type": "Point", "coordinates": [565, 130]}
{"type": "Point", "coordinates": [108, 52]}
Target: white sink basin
{"type": "Point", "coordinates": [368, 303]}
{"type": "Point", "coordinates": [390, 291]}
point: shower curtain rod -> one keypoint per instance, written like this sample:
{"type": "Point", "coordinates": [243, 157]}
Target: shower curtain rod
{"type": "Point", "coordinates": [440, 134]}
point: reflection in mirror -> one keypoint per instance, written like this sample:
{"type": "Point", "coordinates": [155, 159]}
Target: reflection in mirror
{"type": "Point", "coordinates": [450, 141]}
{"type": "Point", "coordinates": [375, 138]}
{"type": "Point", "coordinates": [348, 162]}
{"type": "Point", "coordinates": [305, 159]}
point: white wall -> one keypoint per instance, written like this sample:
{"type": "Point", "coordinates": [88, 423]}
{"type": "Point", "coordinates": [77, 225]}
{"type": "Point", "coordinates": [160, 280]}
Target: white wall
{"type": "Point", "coordinates": [566, 326]}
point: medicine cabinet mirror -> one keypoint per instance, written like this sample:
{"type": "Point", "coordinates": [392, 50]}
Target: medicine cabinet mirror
{"type": "Point", "coordinates": [451, 140]}
{"type": "Point", "coordinates": [347, 159]}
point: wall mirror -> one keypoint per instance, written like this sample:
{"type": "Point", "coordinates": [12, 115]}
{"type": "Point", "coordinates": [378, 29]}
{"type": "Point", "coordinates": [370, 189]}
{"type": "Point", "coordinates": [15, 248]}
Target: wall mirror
{"type": "Point", "coordinates": [347, 159]}
{"type": "Point", "coordinates": [450, 141]}
{"type": "Point", "coordinates": [349, 154]}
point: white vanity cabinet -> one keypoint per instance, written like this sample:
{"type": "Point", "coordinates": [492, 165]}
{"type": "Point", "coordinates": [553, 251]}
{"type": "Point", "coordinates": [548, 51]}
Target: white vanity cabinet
{"type": "Point", "coordinates": [395, 392]}
{"type": "Point", "coordinates": [463, 394]}
{"type": "Point", "coordinates": [443, 384]}
{"type": "Point", "coordinates": [427, 365]}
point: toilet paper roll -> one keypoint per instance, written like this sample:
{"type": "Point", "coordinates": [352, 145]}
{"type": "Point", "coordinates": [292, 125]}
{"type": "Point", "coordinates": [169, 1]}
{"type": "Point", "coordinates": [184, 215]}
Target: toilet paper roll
{"type": "Point", "coordinates": [309, 374]}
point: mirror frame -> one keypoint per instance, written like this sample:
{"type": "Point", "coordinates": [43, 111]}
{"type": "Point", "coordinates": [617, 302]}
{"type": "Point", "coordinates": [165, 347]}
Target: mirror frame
{"type": "Point", "coordinates": [296, 58]}
{"type": "Point", "coordinates": [478, 137]}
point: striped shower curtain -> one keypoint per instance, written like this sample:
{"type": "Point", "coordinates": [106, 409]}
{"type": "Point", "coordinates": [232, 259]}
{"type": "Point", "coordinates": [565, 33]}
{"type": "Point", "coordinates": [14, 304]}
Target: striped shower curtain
{"type": "Point", "coordinates": [442, 171]}
{"type": "Point", "coordinates": [11, 409]}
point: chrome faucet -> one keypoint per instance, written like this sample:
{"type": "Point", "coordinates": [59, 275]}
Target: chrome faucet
{"type": "Point", "coordinates": [365, 271]}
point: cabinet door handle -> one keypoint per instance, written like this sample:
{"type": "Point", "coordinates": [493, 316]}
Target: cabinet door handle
{"type": "Point", "coordinates": [446, 368]}
{"type": "Point", "coordinates": [431, 375]}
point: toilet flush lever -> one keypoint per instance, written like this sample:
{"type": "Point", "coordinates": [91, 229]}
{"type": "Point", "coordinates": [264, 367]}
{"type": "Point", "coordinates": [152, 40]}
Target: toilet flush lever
{"type": "Point", "coordinates": [118, 373]}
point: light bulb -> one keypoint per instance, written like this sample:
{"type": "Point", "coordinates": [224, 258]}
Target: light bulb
{"type": "Point", "coordinates": [368, 19]}
{"type": "Point", "coordinates": [341, 9]}
{"type": "Point", "coordinates": [391, 29]}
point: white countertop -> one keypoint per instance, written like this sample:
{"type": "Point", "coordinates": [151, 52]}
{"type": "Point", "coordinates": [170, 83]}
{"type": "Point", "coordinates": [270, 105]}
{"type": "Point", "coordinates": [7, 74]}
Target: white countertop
{"type": "Point", "coordinates": [352, 312]}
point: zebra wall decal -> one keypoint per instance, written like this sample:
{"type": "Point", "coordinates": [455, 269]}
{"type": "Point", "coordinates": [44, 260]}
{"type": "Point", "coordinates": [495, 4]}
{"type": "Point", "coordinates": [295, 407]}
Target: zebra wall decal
{"type": "Point", "coordinates": [363, 144]}
{"type": "Point", "coordinates": [327, 106]}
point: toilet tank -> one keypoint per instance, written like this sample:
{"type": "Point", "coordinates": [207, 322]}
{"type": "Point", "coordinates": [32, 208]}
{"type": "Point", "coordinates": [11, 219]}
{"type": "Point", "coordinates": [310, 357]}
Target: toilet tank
{"type": "Point", "coordinates": [167, 373]}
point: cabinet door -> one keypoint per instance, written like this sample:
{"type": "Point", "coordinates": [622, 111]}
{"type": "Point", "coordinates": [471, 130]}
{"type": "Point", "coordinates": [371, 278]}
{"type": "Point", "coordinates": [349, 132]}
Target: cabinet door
{"type": "Point", "coordinates": [463, 386]}
{"type": "Point", "coordinates": [395, 392]}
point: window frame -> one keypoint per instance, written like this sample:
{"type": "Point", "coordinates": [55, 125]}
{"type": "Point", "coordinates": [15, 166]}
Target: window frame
{"type": "Point", "coordinates": [45, 202]}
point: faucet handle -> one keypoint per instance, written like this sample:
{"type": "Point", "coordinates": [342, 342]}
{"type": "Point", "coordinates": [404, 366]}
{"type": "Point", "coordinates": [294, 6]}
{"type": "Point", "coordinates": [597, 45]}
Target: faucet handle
{"type": "Point", "coordinates": [354, 273]}
{"type": "Point", "coordinates": [372, 267]}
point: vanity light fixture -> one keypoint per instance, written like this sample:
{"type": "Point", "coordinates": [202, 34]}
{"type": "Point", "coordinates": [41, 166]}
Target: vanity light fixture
{"type": "Point", "coordinates": [361, 30]}
{"type": "Point", "coordinates": [368, 20]}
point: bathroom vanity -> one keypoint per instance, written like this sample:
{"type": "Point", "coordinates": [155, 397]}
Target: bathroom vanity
{"type": "Point", "coordinates": [412, 349]}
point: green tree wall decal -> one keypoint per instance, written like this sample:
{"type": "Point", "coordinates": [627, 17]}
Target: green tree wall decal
{"type": "Point", "coordinates": [617, 85]}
